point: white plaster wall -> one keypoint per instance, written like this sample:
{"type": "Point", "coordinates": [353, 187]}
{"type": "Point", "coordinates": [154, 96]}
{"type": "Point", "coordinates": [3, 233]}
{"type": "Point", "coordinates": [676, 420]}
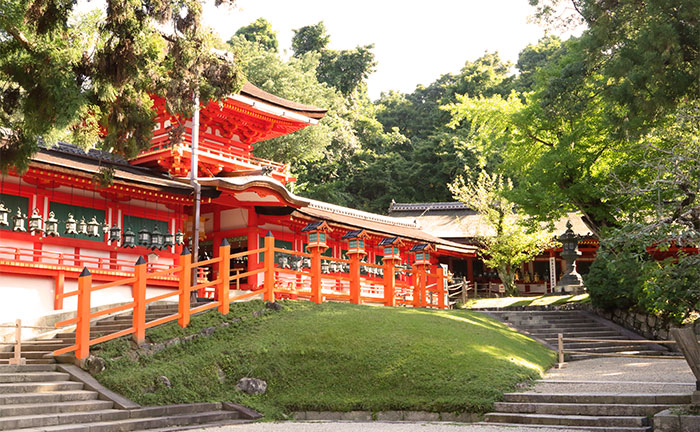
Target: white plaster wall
{"type": "Point", "coordinates": [234, 219]}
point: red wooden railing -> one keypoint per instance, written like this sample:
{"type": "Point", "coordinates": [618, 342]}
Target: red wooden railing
{"type": "Point", "coordinates": [278, 282]}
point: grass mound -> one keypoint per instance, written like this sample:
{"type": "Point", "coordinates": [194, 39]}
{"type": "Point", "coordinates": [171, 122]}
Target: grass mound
{"type": "Point", "coordinates": [334, 356]}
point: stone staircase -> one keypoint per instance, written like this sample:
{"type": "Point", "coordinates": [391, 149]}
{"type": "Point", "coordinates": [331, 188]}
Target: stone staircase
{"type": "Point", "coordinates": [613, 412]}
{"type": "Point", "coordinates": [39, 397]}
{"type": "Point", "coordinates": [546, 325]}
{"type": "Point", "coordinates": [43, 396]}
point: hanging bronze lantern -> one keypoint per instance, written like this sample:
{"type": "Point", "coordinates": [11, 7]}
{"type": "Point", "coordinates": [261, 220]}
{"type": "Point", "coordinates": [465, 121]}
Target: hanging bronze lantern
{"type": "Point", "coordinates": [19, 220]}
{"type": "Point", "coordinates": [35, 221]}
{"type": "Point", "coordinates": [179, 238]}
{"type": "Point", "coordinates": [51, 225]}
{"type": "Point", "coordinates": [93, 227]}
{"type": "Point", "coordinates": [156, 239]}
{"type": "Point", "coordinates": [82, 226]}
{"type": "Point", "coordinates": [129, 240]}
{"type": "Point", "coordinates": [4, 215]}
{"type": "Point", "coordinates": [168, 240]}
{"type": "Point", "coordinates": [71, 225]}
{"type": "Point", "coordinates": [144, 237]}
{"type": "Point", "coordinates": [115, 233]}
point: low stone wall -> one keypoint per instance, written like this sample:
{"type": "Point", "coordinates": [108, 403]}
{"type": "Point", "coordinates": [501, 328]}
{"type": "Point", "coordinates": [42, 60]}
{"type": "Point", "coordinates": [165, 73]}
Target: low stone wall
{"type": "Point", "coordinates": [648, 326]}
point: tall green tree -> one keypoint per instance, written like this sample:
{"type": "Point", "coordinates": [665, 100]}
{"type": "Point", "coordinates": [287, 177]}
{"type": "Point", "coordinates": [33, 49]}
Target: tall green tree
{"type": "Point", "coordinates": [260, 32]}
{"type": "Point", "coordinates": [511, 243]}
{"type": "Point", "coordinates": [310, 38]}
{"type": "Point", "coordinates": [93, 76]}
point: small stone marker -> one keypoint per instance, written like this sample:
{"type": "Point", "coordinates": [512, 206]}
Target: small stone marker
{"type": "Point", "coordinates": [252, 385]}
{"type": "Point", "coordinates": [688, 344]}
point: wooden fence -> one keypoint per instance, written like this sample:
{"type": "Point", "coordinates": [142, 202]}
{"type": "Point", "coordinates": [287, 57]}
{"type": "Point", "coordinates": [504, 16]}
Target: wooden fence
{"type": "Point", "coordinates": [417, 287]}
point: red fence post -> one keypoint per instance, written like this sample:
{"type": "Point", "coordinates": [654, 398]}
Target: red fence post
{"type": "Point", "coordinates": [139, 293]}
{"type": "Point", "coordinates": [269, 267]}
{"type": "Point", "coordinates": [58, 291]}
{"type": "Point", "coordinates": [222, 289]}
{"type": "Point", "coordinates": [316, 295]}
{"type": "Point", "coordinates": [183, 307]}
{"type": "Point", "coordinates": [441, 286]}
{"type": "Point", "coordinates": [82, 328]}
{"type": "Point", "coordinates": [355, 278]}
{"type": "Point", "coordinates": [417, 281]}
{"type": "Point", "coordinates": [389, 283]}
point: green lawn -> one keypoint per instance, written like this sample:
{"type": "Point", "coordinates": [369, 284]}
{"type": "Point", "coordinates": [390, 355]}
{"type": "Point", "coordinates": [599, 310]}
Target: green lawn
{"type": "Point", "coordinates": [334, 356]}
{"type": "Point", "coordinates": [551, 300]}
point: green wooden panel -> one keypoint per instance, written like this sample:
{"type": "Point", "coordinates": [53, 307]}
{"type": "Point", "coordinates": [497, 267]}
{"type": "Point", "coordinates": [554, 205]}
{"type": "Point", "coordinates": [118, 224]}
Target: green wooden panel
{"type": "Point", "coordinates": [327, 253]}
{"type": "Point", "coordinates": [279, 244]}
{"type": "Point", "coordinates": [61, 213]}
{"type": "Point", "coordinates": [12, 202]}
{"type": "Point", "coordinates": [137, 223]}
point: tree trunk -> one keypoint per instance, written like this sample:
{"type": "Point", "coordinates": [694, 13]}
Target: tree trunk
{"type": "Point", "coordinates": [508, 279]}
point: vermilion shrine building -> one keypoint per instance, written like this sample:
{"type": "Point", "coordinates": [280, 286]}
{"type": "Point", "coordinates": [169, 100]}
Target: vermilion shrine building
{"type": "Point", "coordinates": [57, 218]}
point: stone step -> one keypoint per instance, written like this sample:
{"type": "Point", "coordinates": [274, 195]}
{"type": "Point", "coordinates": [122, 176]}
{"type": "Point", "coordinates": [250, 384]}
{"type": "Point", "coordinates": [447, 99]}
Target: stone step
{"type": "Point", "coordinates": [25, 354]}
{"type": "Point", "coordinates": [611, 348]}
{"type": "Point", "coordinates": [581, 409]}
{"type": "Point", "coordinates": [168, 423]}
{"type": "Point", "coordinates": [22, 377]}
{"type": "Point", "coordinates": [41, 420]}
{"type": "Point", "coordinates": [586, 334]}
{"type": "Point", "coordinates": [601, 398]}
{"type": "Point", "coordinates": [42, 361]}
{"type": "Point", "coordinates": [66, 336]}
{"type": "Point", "coordinates": [574, 357]}
{"type": "Point", "coordinates": [27, 368]}
{"type": "Point", "coordinates": [32, 409]}
{"type": "Point", "coordinates": [46, 347]}
{"type": "Point", "coordinates": [573, 428]}
{"type": "Point", "coordinates": [567, 420]}
{"type": "Point", "coordinates": [39, 387]}
{"type": "Point", "coordinates": [49, 397]}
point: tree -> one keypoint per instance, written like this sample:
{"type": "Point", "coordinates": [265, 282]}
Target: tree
{"type": "Point", "coordinates": [310, 38]}
{"type": "Point", "coordinates": [93, 76]}
{"type": "Point", "coordinates": [260, 32]}
{"type": "Point", "coordinates": [511, 244]}
{"type": "Point", "coordinates": [346, 70]}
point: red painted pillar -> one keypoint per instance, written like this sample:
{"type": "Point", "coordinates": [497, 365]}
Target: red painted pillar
{"type": "Point", "coordinates": [253, 243]}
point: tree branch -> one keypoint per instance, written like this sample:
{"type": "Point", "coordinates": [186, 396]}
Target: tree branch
{"type": "Point", "coordinates": [540, 140]}
{"type": "Point", "coordinates": [19, 37]}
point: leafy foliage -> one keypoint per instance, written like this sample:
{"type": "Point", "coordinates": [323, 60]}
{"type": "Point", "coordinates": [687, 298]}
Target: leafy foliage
{"type": "Point", "coordinates": [311, 38]}
{"type": "Point", "coordinates": [93, 75]}
{"type": "Point", "coordinates": [260, 32]}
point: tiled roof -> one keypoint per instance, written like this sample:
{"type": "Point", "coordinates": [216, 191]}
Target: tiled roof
{"type": "Point", "coordinates": [395, 207]}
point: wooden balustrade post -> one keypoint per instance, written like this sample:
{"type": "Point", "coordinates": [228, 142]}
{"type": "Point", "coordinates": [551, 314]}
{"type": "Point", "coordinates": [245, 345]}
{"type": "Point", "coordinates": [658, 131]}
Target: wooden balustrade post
{"type": "Point", "coordinates": [82, 328]}
{"type": "Point", "coordinates": [389, 283]}
{"type": "Point", "coordinates": [269, 255]}
{"type": "Point", "coordinates": [417, 281]}
{"type": "Point", "coordinates": [441, 286]}
{"type": "Point", "coordinates": [183, 306]}
{"type": "Point", "coordinates": [222, 289]}
{"type": "Point", "coordinates": [355, 278]}
{"type": "Point", "coordinates": [139, 293]}
{"type": "Point", "coordinates": [424, 286]}
{"type": "Point", "coordinates": [316, 294]}
{"type": "Point", "coordinates": [17, 359]}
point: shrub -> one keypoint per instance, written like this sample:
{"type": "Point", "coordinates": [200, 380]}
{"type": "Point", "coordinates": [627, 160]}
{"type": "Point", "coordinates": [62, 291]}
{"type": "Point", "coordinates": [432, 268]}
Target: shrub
{"type": "Point", "coordinates": [613, 279]}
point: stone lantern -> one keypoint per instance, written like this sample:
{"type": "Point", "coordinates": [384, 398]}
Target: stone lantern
{"type": "Point", "coordinates": [571, 282]}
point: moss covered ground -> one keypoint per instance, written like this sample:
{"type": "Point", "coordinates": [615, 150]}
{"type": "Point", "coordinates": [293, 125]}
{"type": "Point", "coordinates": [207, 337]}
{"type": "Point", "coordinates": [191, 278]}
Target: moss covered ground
{"type": "Point", "coordinates": [333, 356]}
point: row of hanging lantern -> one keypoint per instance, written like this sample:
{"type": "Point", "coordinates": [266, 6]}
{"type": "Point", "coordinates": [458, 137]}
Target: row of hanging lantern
{"type": "Point", "coordinates": [151, 239]}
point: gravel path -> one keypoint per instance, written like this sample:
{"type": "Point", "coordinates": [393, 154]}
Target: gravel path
{"type": "Point", "coordinates": [371, 427]}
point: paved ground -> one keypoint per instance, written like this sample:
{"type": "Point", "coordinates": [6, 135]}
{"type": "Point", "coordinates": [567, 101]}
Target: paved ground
{"type": "Point", "coordinates": [371, 427]}
{"type": "Point", "coordinates": [620, 375]}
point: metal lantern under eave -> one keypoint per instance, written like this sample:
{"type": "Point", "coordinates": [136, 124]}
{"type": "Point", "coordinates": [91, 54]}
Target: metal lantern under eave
{"type": "Point", "coordinates": [51, 225]}
{"type": "Point", "coordinates": [105, 228]}
{"type": "Point", "coordinates": [115, 233]}
{"type": "Point", "coordinates": [93, 227]}
{"type": "Point", "coordinates": [156, 239]}
{"type": "Point", "coordinates": [168, 240]}
{"type": "Point", "coordinates": [144, 237]}
{"type": "Point", "coordinates": [179, 238]}
{"type": "Point", "coordinates": [4, 215]}
{"type": "Point", "coordinates": [35, 221]}
{"type": "Point", "coordinates": [422, 252]}
{"type": "Point", "coordinates": [71, 225]}
{"type": "Point", "coordinates": [356, 241]}
{"type": "Point", "coordinates": [19, 221]}
{"type": "Point", "coordinates": [316, 234]}
{"type": "Point", "coordinates": [82, 226]}
{"type": "Point", "coordinates": [391, 247]}
{"type": "Point", "coordinates": [129, 239]}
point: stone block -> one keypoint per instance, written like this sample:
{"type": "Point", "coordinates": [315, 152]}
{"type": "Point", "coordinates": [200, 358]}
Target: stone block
{"type": "Point", "coordinates": [421, 416]}
{"type": "Point", "coordinates": [459, 417]}
{"type": "Point", "coordinates": [665, 421]}
{"type": "Point", "coordinates": [356, 416]}
{"type": "Point", "coordinates": [390, 415]}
